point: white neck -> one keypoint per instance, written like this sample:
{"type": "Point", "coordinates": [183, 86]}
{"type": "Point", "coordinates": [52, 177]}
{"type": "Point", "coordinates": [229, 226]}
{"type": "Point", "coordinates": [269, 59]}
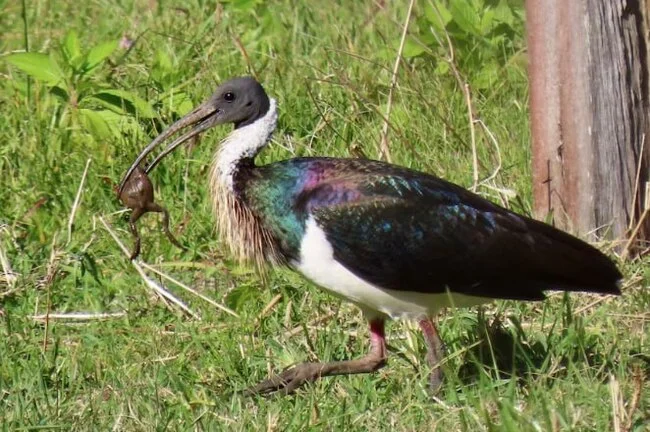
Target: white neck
{"type": "Point", "coordinates": [243, 143]}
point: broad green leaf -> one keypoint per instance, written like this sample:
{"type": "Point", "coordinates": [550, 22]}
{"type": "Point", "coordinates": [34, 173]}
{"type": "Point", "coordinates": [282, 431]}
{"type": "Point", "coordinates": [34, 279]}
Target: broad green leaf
{"type": "Point", "coordinates": [94, 123]}
{"type": "Point", "coordinates": [99, 53]}
{"type": "Point", "coordinates": [412, 48]}
{"type": "Point", "coordinates": [464, 16]}
{"type": "Point", "coordinates": [442, 68]}
{"type": "Point", "coordinates": [71, 48]}
{"type": "Point", "coordinates": [437, 14]}
{"type": "Point", "coordinates": [487, 21]}
{"type": "Point", "coordinates": [503, 13]}
{"type": "Point", "coordinates": [38, 65]}
{"type": "Point", "coordinates": [105, 123]}
{"type": "Point", "coordinates": [125, 102]}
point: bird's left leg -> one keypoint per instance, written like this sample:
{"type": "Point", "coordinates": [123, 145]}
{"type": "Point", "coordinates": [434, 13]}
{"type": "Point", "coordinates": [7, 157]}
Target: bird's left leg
{"type": "Point", "coordinates": [435, 352]}
{"type": "Point", "coordinates": [291, 379]}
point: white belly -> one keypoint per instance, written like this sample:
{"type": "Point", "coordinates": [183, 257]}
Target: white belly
{"type": "Point", "coordinates": [318, 264]}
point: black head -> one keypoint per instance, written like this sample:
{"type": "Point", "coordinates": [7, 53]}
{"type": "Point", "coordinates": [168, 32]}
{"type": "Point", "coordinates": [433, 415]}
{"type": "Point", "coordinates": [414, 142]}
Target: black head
{"type": "Point", "coordinates": [240, 101]}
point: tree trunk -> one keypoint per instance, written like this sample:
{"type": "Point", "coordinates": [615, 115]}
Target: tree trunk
{"type": "Point", "coordinates": [589, 115]}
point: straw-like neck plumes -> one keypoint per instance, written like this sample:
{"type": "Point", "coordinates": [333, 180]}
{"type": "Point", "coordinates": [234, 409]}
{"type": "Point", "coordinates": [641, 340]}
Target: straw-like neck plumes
{"type": "Point", "coordinates": [237, 225]}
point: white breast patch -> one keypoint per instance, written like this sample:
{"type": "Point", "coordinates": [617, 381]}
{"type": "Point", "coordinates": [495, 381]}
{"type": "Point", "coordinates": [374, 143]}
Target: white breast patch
{"type": "Point", "coordinates": [317, 263]}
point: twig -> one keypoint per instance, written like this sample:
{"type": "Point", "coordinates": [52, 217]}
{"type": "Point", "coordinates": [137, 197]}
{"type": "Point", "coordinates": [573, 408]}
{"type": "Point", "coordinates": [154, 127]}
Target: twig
{"type": "Point", "coordinates": [78, 316]}
{"type": "Point", "coordinates": [160, 290]}
{"type": "Point", "coordinates": [73, 211]}
{"type": "Point", "coordinates": [274, 301]}
{"type": "Point", "coordinates": [472, 133]}
{"type": "Point", "coordinates": [187, 288]}
{"type": "Point", "coordinates": [384, 150]}
{"type": "Point", "coordinates": [628, 244]}
{"type": "Point", "coordinates": [299, 328]}
{"type": "Point", "coordinates": [636, 182]}
{"type": "Point", "coordinates": [590, 305]}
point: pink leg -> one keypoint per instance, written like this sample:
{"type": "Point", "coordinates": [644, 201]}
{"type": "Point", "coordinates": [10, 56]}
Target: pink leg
{"type": "Point", "coordinates": [290, 379]}
{"type": "Point", "coordinates": [435, 352]}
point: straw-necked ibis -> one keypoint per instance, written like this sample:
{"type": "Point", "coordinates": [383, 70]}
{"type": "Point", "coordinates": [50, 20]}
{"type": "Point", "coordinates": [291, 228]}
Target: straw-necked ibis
{"type": "Point", "coordinates": [396, 242]}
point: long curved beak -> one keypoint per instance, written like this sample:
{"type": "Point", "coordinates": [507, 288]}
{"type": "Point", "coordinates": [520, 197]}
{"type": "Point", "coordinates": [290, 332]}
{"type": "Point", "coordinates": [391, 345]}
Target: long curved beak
{"type": "Point", "coordinates": [202, 117]}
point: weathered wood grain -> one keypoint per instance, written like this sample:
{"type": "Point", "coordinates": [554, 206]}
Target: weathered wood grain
{"type": "Point", "coordinates": [589, 113]}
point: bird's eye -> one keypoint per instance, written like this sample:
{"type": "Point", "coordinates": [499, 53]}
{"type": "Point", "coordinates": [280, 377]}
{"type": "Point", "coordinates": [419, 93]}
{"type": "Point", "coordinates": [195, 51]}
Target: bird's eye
{"type": "Point", "coordinates": [229, 97]}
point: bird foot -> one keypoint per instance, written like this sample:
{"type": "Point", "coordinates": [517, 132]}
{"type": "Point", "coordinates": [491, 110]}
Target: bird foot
{"type": "Point", "coordinates": [288, 380]}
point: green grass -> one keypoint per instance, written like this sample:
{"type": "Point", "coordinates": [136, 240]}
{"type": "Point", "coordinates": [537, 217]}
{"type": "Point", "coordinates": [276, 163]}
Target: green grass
{"type": "Point", "coordinates": [570, 363]}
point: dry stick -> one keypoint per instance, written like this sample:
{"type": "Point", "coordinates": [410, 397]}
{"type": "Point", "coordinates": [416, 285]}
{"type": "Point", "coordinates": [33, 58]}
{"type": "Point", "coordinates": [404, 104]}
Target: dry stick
{"type": "Point", "coordinates": [472, 132]}
{"type": "Point", "coordinates": [77, 316]}
{"type": "Point", "coordinates": [628, 245]}
{"type": "Point", "coordinates": [589, 306]}
{"type": "Point", "coordinates": [298, 329]}
{"type": "Point", "coordinates": [274, 301]}
{"type": "Point", "coordinates": [187, 288]}
{"type": "Point", "coordinates": [384, 150]}
{"type": "Point", "coordinates": [75, 205]}
{"type": "Point", "coordinates": [629, 242]}
{"type": "Point", "coordinates": [149, 282]}
{"type": "Point", "coordinates": [636, 182]}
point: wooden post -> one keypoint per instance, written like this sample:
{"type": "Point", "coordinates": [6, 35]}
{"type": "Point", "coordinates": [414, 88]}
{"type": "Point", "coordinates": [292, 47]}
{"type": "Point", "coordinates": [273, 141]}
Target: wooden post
{"type": "Point", "coordinates": [590, 115]}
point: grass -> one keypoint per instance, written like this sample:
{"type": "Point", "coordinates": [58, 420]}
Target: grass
{"type": "Point", "coordinates": [574, 362]}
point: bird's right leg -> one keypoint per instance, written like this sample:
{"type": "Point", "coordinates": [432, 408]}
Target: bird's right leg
{"type": "Point", "coordinates": [289, 380]}
{"type": "Point", "coordinates": [435, 352]}
{"type": "Point", "coordinates": [135, 215]}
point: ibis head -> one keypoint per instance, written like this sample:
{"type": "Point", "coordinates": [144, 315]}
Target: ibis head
{"type": "Point", "coordinates": [240, 101]}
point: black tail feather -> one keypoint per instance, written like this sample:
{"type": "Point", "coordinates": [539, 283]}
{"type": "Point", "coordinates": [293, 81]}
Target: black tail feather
{"type": "Point", "coordinates": [567, 263]}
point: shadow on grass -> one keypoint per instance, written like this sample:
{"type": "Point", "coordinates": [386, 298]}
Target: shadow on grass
{"type": "Point", "coordinates": [508, 352]}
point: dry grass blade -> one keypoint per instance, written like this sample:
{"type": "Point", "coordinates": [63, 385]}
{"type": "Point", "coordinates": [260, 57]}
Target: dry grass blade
{"type": "Point", "coordinates": [384, 150]}
{"type": "Point", "coordinates": [148, 281]}
{"type": "Point", "coordinates": [78, 316]}
{"type": "Point", "coordinates": [298, 329]}
{"type": "Point", "coordinates": [618, 407]}
{"type": "Point", "coordinates": [190, 290]}
{"type": "Point", "coordinates": [77, 199]}
{"type": "Point", "coordinates": [630, 240]}
{"type": "Point", "coordinates": [7, 272]}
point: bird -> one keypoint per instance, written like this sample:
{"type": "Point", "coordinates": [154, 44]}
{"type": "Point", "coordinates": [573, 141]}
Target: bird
{"type": "Point", "coordinates": [395, 242]}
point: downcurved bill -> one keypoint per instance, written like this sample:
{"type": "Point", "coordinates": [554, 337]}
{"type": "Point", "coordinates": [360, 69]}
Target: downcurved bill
{"type": "Point", "coordinates": [203, 117]}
